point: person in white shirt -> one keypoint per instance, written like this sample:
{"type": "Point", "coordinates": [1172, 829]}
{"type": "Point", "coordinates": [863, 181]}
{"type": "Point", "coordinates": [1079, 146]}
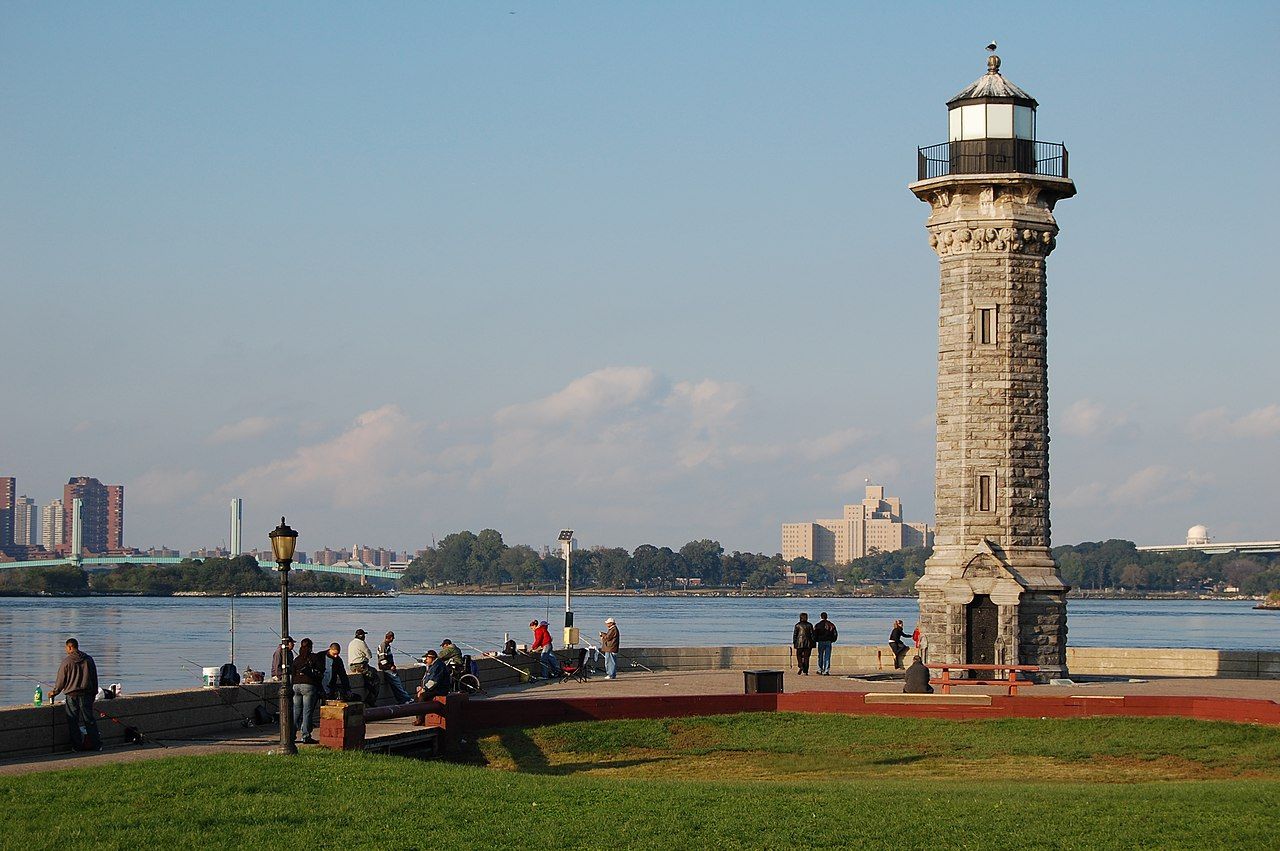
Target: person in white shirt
{"type": "Point", "coordinates": [360, 660]}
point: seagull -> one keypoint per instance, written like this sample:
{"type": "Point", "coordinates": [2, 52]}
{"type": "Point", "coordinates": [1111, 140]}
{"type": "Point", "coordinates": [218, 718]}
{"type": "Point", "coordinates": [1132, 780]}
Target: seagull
{"type": "Point", "coordinates": [992, 46]}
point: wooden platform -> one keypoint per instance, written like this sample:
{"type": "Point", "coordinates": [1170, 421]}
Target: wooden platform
{"type": "Point", "coordinates": [400, 736]}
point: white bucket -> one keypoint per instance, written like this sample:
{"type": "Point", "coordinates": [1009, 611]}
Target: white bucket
{"type": "Point", "coordinates": [211, 677]}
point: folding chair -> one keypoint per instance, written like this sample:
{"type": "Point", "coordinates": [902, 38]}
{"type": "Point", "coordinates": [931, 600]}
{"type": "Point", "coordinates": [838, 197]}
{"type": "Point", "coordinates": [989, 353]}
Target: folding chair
{"type": "Point", "coordinates": [577, 670]}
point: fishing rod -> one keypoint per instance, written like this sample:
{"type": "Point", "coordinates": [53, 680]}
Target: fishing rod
{"type": "Point", "coordinates": [132, 734]}
{"type": "Point", "coordinates": [484, 655]}
{"type": "Point", "coordinates": [632, 662]}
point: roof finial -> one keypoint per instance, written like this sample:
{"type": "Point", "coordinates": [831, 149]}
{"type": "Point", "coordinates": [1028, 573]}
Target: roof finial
{"type": "Point", "coordinates": [993, 61]}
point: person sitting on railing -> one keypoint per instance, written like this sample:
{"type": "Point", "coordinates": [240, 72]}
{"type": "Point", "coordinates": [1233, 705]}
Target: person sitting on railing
{"type": "Point", "coordinates": [435, 682]}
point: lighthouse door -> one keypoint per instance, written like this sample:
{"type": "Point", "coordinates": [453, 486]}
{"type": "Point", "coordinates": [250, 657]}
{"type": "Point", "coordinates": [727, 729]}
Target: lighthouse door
{"type": "Point", "coordinates": [982, 621]}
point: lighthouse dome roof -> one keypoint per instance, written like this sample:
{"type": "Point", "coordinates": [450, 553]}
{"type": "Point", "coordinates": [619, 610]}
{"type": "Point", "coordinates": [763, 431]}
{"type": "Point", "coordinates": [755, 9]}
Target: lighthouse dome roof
{"type": "Point", "coordinates": [993, 84]}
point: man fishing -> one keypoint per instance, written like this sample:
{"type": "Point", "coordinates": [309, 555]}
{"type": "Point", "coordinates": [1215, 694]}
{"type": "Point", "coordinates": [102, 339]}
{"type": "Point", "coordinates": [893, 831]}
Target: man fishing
{"type": "Point", "coordinates": [77, 680]}
{"type": "Point", "coordinates": [541, 648]}
{"type": "Point", "coordinates": [387, 666]}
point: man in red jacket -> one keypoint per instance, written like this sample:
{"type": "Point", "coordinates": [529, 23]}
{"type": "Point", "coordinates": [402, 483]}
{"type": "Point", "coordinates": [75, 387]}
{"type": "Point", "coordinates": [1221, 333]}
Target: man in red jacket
{"type": "Point", "coordinates": [542, 648]}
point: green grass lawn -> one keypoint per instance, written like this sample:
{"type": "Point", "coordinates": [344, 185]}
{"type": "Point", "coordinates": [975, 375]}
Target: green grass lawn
{"type": "Point", "coordinates": [849, 782]}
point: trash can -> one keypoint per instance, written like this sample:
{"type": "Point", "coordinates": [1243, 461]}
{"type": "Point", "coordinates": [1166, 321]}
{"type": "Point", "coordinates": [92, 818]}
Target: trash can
{"type": "Point", "coordinates": [762, 682]}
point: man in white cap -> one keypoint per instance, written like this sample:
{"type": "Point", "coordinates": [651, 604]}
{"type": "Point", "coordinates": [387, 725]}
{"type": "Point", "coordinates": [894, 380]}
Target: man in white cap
{"type": "Point", "coordinates": [609, 647]}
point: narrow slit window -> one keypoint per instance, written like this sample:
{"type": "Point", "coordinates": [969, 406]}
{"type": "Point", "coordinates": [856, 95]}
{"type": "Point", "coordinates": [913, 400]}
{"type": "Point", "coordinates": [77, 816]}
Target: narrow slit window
{"type": "Point", "coordinates": [986, 492]}
{"type": "Point", "coordinates": [986, 325]}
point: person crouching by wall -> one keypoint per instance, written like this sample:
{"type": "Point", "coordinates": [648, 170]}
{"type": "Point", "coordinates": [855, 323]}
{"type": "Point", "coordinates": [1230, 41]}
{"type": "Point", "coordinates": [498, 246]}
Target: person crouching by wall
{"type": "Point", "coordinates": [335, 684]}
{"type": "Point", "coordinates": [308, 669]}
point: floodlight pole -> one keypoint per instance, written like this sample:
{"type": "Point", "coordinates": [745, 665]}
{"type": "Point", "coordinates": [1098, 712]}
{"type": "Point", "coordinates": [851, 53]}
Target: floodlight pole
{"type": "Point", "coordinates": [566, 544]}
{"type": "Point", "coordinates": [568, 547]}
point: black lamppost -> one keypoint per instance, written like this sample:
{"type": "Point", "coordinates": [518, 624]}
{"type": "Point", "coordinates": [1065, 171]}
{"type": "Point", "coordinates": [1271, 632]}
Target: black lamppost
{"type": "Point", "coordinates": [283, 541]}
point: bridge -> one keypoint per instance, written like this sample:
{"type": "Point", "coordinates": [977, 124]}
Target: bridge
{"type": "Point", "coordinates": [107, 562]}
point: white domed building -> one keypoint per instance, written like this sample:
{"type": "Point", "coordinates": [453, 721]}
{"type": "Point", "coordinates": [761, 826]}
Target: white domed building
{"type": "Point", "coordinates": [1197, 536]}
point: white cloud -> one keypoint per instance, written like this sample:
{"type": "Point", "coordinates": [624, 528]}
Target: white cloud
{"type": "Point", "coordinates": [1152, 485]}
{"type": "Point", "coordinates": [1087, 418]}
{"type": "Point", "coordinates": [602, 392]}
{"type": "Point", "coordinates": [617, 447]}
{"type": "Point", "coordinates": [379, 453]}
{"type": "Point", "coordinates": [246, 429]}
{"type": "Point", "coordinates": [1217, 423]}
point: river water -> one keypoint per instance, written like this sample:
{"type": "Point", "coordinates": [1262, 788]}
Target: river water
{"type": "Point", "coordinates": [141, 642]}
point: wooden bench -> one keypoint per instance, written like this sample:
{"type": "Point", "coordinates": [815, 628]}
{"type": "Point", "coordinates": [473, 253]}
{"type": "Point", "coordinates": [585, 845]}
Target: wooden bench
{"type": "Point", "coordinates": [1011, 682]}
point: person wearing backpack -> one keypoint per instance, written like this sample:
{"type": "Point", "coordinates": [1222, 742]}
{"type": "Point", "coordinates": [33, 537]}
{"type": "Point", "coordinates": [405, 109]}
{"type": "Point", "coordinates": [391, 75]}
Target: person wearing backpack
{"type": "Point", "coordinates": [825, 634]}
{"type": "Point", "coordinates": [802, 641]}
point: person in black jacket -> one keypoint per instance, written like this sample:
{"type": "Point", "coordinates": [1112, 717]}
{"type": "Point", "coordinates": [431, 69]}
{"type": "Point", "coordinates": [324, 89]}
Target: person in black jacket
{"type": "Point", "coordinates": [435, 682]}
{"type": "Point", "coordinates": [825, 634]}
{"type": "Point", "coordinates": [917, 679]}
{"type": "Point", "coordinates": [802, 641]}
{"type": "Point", "coordinates": [334, 682]}
{"type": "Point", "coordinates": [308, 669]}
{"type": "Point", "coordinates": [896, 644]}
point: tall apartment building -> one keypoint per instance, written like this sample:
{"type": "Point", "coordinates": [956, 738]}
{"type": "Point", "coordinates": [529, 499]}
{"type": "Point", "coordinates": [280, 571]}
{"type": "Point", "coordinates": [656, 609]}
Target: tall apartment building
{"type": "Point", "coordinates": [26, 522]}
{"type": "Point", "coordinates": [51, 523]}
{"type": "Point", "coordinates": [102, 513]}
{"type": "Point", "coordinates": [7, 485]}
{"type": "Point", "coordinates": [871, 526]}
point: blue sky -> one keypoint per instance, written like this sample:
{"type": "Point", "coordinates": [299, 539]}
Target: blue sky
{"type": "Point", "coordinates": [650, 270]}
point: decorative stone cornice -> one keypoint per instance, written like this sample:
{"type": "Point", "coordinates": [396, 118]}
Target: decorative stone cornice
{"type": "Point", "coordinates": [948, 240]}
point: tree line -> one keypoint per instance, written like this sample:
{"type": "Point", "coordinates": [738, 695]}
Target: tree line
{"type": "Point", "coordinates": [484, 560]}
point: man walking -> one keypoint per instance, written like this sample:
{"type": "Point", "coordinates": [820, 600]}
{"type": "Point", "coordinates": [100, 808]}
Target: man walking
{"type": "Point", "coordinates": [387, 666]}
{"type": "Point", "coordinates": [825, 634]}
{"type": "Point", "coordinates": [359, 661]}
{"type": "Point", "coordinates": [78, 680]}
{"type": "Point", "coordinates": [609, 640]}
{"type": "Point", "coordinates": [802, 641]}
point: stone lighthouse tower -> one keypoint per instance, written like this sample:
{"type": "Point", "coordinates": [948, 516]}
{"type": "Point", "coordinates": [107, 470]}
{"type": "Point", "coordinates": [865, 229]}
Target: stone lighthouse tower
{"type": "Point", "coordinates": [991, 593]}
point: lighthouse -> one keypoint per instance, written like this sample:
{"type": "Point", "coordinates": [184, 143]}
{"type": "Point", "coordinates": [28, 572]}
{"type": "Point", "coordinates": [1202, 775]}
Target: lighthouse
{"type": "Point", "coordinates": [991, 592]}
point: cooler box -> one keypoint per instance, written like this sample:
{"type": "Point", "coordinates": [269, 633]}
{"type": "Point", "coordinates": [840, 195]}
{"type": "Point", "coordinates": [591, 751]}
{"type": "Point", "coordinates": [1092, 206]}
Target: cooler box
{"type": "Point", "coordinates": [762, 682]}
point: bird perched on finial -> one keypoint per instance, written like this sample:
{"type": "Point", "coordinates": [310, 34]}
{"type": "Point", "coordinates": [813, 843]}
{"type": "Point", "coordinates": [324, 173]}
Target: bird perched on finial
{"type": "Point", "coordinates": [992, 46]}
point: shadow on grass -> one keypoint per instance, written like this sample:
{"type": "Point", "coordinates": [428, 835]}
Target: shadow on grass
{"type": "Point", "coordinates": [529, 757]}
{"type": "Point", "coordinates": [901, 760]}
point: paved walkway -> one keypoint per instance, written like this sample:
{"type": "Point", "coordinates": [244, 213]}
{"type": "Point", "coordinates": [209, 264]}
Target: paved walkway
{"type": "Point", "coordinates": [635, 683]}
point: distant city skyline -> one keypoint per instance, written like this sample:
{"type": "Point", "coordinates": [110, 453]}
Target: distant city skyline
{"type": "Point", "coordinates": [650, 272]}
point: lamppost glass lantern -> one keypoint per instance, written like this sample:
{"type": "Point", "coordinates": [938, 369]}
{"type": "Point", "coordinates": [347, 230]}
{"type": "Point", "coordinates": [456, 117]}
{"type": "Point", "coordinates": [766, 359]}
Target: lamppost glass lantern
{"type": "Point", "coordinates": [992, 126]}
{"type": "Point", "coordinates": [283, 542]}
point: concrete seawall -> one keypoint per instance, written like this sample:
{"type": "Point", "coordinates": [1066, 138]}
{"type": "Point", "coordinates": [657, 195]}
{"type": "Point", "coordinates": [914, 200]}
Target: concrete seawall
{"type": "Point", "coordinates": [195, 713]}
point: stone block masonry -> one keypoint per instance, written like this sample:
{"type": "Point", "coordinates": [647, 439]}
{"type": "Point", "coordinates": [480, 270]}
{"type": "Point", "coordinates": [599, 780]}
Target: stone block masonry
{"type": "Point", "coordinates": [991, 592]}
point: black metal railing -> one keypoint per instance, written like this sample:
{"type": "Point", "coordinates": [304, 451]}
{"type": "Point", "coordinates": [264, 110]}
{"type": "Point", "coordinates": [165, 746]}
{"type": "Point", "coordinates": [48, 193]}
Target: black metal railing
{"type": "Point", "coordinates": [992, 156]}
